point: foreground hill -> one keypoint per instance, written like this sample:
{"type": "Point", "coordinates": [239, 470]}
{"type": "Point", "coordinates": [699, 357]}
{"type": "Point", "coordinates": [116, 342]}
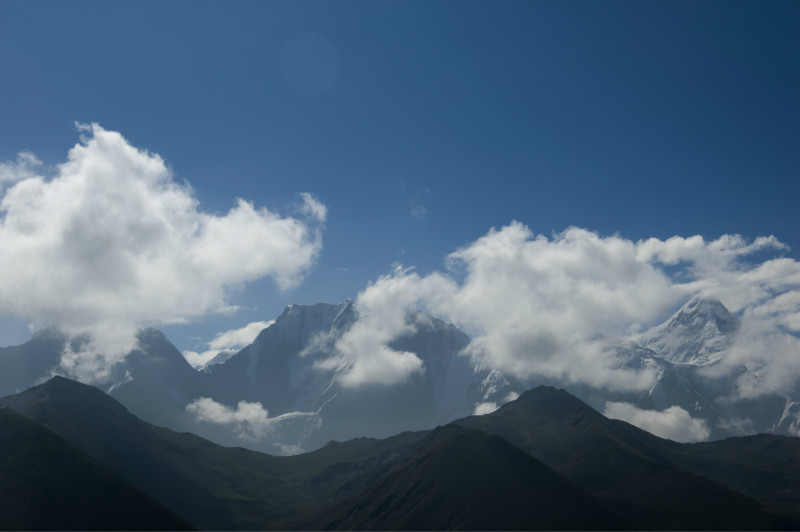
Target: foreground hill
{"type": "Point", "coordinates": [485, 482]}
{"type": "Point", "coordinates": [47, 483]}
{"type": "Point", "coordinates": [655, 482]}
{"type": "Point", "coordinates": [764, 466]}
{"type": "Point", "coordinates": [459, 479]}
{"type": "Point", "coordinates": [543, 461]}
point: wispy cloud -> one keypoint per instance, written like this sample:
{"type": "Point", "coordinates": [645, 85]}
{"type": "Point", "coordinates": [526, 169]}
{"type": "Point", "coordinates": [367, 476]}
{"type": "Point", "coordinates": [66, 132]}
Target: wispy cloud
{"type": "Point", "coordinates": [227, 341]}
{"type": "Point", "coordinates": [113, 242]}
{"type": "Point", "coordinates": [418, 210]}
{"type": "Point", "coordinates": [674, 423]}
{"type": "Point", "coordinates": [481, 409]}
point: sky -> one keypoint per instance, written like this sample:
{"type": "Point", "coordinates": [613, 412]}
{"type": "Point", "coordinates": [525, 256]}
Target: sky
{"type": "Point", "coordinates": [197, 166]}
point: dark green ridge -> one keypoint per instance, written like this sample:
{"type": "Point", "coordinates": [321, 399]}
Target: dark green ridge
{"type": "Point", "coordinates": [215, 487]}
{"type": "Point", "coordinates": [459, 479]}
{"type": "Point", "coordinates": [631, 471]}
{"type": "Point", "coordinates": [605, 473]}
{"type": "Point", "coordinates": [47, 483]}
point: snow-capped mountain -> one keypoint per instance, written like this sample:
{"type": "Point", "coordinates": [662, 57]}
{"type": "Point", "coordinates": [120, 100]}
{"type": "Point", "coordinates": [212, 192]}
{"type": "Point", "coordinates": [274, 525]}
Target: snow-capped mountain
{"type": "Point", "coordinates": [310, 406]}
{"type": "Point", "coordinates": [274, 396]}
{"type": "Point", "coordinates": [697, 334]}
{"type": "Point", "coordinates": [154, 381]}
{"type": "Point", "coordinates": [679, 350]}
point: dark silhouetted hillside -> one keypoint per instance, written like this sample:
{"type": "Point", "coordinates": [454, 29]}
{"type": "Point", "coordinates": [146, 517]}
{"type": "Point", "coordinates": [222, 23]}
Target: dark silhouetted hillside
{"type": "Point", "coordinates": [48, 484]}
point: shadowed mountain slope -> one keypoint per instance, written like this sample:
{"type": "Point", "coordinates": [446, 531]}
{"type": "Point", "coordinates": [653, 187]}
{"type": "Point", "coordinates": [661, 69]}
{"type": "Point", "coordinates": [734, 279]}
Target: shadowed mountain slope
{"type": "Point", "coordinates": [216, 487]}
{"type": "Point", "coordinates": [459, 479]}
{"type": "Point", "coordinates": [204, 483]}
{"type": "Point", "coordinates": [450, 478]}
{"type": "Point", "coordinates": [764, 466]}
{"type": "Point", "coordinates": [47, 483]}
{"type": "Point", "coordinates": [629, 469]}
{"type": "Point", "coordinates": [22, 366]}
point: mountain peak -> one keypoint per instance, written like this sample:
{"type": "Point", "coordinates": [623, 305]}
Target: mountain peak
{"type": "Point", "coordinates": [317, 309]}
{"type": "Point", "coordinates": [709, 309]}
{"type": "Point", "coordinates": [299, 323]}
{"type": "Point", "coordinates": [550, 402]}
{"type": "Point", "coordinates": [697, 334]}
{"type": "Point", "coordinates": [60, 396]}
{"type": "Point", "coordinates": [63, 385]}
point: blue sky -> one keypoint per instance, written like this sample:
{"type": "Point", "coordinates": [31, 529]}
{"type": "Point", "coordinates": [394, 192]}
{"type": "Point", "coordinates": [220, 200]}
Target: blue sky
{"type": "Point", "coordinates": [421, 125]}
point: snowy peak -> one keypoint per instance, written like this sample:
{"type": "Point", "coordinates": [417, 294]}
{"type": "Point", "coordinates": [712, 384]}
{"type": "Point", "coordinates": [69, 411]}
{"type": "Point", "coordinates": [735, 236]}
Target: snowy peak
{"type": "Point", "coordinates": [319, 317]}
{"type": "Point", "coordinates": [697, 334]}
{"type": "Point", "coordinates": [297, 324]}
{"type": "Point", "coordinates": [706, 311]}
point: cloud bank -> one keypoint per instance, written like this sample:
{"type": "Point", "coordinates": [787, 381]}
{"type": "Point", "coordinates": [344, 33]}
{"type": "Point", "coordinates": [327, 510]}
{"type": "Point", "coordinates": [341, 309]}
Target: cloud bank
{"type": "Point", "coordinates": [556, 306]}
{"type": "Point", "coordinates": [111, 243]}
{"type": "Point", "coordinates": [674, 423]}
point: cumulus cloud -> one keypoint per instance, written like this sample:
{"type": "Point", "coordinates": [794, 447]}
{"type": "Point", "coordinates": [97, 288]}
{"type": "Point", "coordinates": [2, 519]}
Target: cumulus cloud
{"type": "Point", "coordinates": [226, 342]}
{"type": "Point", "coordinates": [556, 306]}
{"type": "Point", "coordinates": [249, 420]}
{"type": "Point", "coordinates": [361, 354]}
{"type": "Point", "coordinates": [769, 355]}
{"type": "Point", "coordinates": [674, 423]}
{"type": "Point", "coordinates": [112, 242]}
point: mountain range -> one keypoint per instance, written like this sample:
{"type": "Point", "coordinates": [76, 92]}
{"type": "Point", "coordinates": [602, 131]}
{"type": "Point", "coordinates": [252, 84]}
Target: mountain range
{"type": "Point", "coordinates": [543, 461]}
{"type": "Point", "coordinates": [305, 407]}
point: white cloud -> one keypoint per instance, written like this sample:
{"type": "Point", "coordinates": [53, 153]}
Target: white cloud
{"type": "Point", "coordinates": [249, 420]}
{"type": "Point", "coordinates": [721, 269]}
{"type": "Point", "coordinates": [227, 341]}
{"type": "Point", "coordinates": [490, 406]}
{"type": "Point", "coordinates": [556, 306]}
{"type": "Point", "coordinates": [112, 242]}
{"type": "Point", "coordinates": [312, 208]}
{"type": "Point", "coordinates": [766, 294]}
{"type": "Point", "coordinates": [674, 423]}
{"type": "Point", "coordinates": [534, 306]}
{"type": "Point", "coordinates": [484, 408]}
{"type": "Point", "coordinates": [769, 354]}
{"type": "Point", "coordinates": [362, 355]}
{"type": "Point", "coordinates": [24, 168]}
{"type": "Point", "coordinates": [512, 396]}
